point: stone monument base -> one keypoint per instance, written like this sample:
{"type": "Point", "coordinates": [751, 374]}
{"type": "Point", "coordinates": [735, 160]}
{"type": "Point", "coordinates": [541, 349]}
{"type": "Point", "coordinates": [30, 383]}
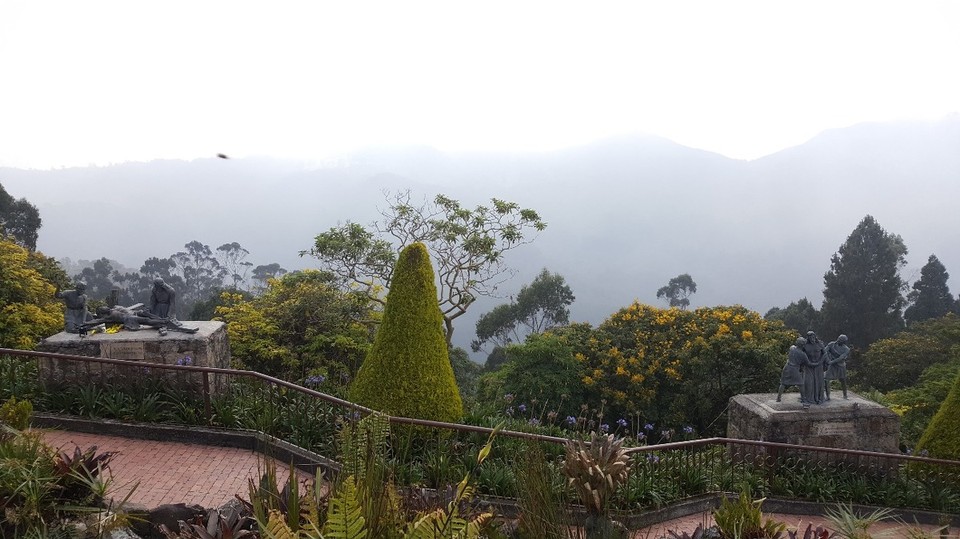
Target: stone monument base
{"type": "Point", "coordinates": [854, 423]}
{"type": "Point", "coordinates": [208, 347]}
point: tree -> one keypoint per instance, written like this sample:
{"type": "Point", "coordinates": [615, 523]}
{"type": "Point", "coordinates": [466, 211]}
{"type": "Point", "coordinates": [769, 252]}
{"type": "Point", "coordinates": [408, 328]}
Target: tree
{"type": "Point", "coordinates": [678, 291]}
{"type": "Point", "coordinates": [930, 297]}
{"type": "Point", "coordinates": [863, 289]}
{"type": "Point", "coordinates": [202, 275]}
{"type": "Point", "coordinates": [541, 305]}
{"type": "Point", "coordinates": [467, 246]}
{"type": "Point", "coordinates": [19, 219]}
{"type": "Point", "coordinates": [800, 316]}
{"type": "Point", "coordinates": [542, 370]}
{"type": "Point", "coordinates": [674, 367]}
{"type": "Point", "coordinates": [232, 258]}
{"type": "Point", "coordinates": [466, 372]}
{"type": "Point", "coordinates": [263, 273]}
{"type": "Point", "coordinates": [302, 325]}
{"type": "Point", "coordinates": [407, 372]}
{"type": "Point", "coordinates": [28, 309]}
{"type": "Point", "coordinates": [102, 279]}
{"type": "Point", "coordinates": [898, 361]}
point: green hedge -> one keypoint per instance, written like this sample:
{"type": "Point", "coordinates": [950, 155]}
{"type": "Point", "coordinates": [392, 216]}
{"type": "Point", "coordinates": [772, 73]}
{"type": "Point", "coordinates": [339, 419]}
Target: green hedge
{"type": "Point", "coordinates": [407, 372]}
{"type": "Point", "coordinates": [942, 437]}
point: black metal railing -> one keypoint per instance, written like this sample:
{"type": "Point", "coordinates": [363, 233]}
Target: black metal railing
{"type": "Point", "coordinates": [660, 474]}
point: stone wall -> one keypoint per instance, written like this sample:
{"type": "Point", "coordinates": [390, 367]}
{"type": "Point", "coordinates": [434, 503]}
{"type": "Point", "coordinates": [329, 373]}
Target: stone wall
{"type": "Point", "coordinates": [208, 347]}
{"type": "Point", "coordinates": [854, 423]}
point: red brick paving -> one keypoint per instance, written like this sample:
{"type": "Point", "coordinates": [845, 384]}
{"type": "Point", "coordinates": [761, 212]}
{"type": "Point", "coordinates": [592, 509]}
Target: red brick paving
{"type": "Point", "coordinates": [172, 472]}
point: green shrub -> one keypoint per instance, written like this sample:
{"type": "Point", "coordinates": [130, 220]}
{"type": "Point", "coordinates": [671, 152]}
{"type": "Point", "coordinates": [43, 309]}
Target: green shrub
{"type": "Point", "coordinates": [942, 437]}
{"type": "Point", "coordinates": [16, 414]}
{"type": "Point", "coordinates": [407, 372]}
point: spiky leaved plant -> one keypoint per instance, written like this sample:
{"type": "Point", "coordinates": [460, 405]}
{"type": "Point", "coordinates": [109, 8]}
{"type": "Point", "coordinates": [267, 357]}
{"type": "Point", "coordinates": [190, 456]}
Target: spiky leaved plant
{"type": "Point", "coordinates": [215, 525]}
{"type": "Point", "coordinates": [595, 470]}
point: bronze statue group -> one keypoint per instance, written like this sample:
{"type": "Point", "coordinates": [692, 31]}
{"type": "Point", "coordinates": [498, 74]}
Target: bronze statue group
{"type": "Point", "coordinates": [159, 314]}
{"type": "Point", "coordinates": [811, 366]}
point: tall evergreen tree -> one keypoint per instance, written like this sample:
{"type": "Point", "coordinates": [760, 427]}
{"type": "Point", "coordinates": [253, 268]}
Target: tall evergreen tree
{"type": "Point", "coordinates": [862, 295]}
{"type": "Point", "coordinates": [407, 372]}
{"type": "Point", "coordinates": [930, 296]}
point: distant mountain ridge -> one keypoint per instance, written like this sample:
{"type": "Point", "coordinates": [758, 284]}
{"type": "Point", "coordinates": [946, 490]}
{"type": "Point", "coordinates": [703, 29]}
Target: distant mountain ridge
{"type": "Point", "coordinates": [625, 214]}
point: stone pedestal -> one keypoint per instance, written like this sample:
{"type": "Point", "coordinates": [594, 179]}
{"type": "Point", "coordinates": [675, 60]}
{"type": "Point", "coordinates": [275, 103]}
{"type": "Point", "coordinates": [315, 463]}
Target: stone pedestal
{"type": "Point", "coordinates": [208, 347]}
{"type": "Point", "coordinates": [854, 423]}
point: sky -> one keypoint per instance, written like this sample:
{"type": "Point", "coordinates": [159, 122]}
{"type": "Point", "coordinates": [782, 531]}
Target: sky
{"type": "Point", "coordinates": [98, 82]}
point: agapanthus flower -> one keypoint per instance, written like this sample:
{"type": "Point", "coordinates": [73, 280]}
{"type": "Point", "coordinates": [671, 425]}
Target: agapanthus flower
{"type": "Point", "coordinates": [314, 380]}
{"type": "Point", "coordinates": [622, 423]}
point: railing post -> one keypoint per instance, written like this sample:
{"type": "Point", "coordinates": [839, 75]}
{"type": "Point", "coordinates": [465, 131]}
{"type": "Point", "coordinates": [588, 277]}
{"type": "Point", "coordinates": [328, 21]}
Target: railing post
{"type": "Point", "coordinates": [207, 414]}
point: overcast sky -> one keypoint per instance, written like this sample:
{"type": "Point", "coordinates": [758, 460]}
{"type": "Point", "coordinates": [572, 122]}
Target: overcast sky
{"type": "Point", "coordinates": [96, 82]}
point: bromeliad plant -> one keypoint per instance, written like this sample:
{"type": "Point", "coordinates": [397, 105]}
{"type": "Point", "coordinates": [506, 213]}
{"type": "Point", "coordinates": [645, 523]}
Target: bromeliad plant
{"type": "Point", "coordinates": [596, 470]}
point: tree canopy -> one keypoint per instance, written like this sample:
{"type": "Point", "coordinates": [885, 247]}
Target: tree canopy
{"type": "Point", "coordinates": [863, 290]}
{"type": "Point", "coordinates": [19, 219]}
{"type": "Point", "coordinates": [677, 292]}
{"type": "Point", "coordinates": [930, 297]}
{"type": "Point", "coordinates": [302, 325]}
{"type": "Point", "coordinates": [800, 316]}
{"type": "Point", "coordinates": [539, 306]}
{"type": "Point", "coordinates": [467, 247]}
{"type": "Point", "coordinates": [28, 309]}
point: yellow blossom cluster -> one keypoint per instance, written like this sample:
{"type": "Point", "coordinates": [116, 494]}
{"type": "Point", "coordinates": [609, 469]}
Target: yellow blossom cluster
{"type": "Point", "coordinates": [656, 362]}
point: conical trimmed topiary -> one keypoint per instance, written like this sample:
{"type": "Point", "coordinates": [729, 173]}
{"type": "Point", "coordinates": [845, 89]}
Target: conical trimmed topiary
{"type": "Point", "coordinates": [407, 372]}
{"type": "Point", "coordinates": [942, 437]}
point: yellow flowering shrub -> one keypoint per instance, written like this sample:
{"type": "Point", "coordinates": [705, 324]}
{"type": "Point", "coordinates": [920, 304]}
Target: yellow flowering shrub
{"type": "Point", "coordinates": [672, 366]}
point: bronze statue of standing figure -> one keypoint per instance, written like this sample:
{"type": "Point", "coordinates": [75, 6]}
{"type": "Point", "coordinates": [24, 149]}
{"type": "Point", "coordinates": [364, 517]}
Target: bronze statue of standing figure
{"type": "Point", "coordinates": [792, 374]}
{"type": "Point", "coordinates": [813, 377]}
{"type": "Point", "coordinates": [835, 362]}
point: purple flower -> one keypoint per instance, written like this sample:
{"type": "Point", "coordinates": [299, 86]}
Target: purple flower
{"type": "Point", "coordinates": [534, 421]}
{"type": "Point", "coordinates": [622, 423]}
{"type": "Point", "coordinates": [604, 427]}
{"type": "Point", "coordinates": [688, 430]}
{"type": "Point", "coordinates": [648, 427]}
{"type": "Point", "coordinates": [666, 434]}
{"type": "Point", "coordinates": [571, 420]}
{"type": "Point", "coordinates": [522, 408]}
{"type": "Point", "coordinates": [186, 360]}
{"type": "Point", "coordinates": [641, 436]}
{"type": "Point", "coordinates": [314, 380]}
{"type": "Point", "coordinates": [652, 458]}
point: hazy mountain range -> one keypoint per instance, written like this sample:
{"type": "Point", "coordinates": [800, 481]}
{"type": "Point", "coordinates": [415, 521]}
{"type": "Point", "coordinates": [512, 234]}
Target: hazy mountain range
{"type": "Point", "coordinates": [624, 215]}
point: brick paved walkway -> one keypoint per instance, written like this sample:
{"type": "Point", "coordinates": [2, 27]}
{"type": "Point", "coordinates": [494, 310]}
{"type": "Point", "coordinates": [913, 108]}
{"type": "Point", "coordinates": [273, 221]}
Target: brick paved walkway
{"type": "Point", "coordinates": [172, 472]}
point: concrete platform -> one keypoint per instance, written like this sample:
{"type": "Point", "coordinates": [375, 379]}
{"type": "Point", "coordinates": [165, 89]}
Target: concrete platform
{"type": "Point", "coordinates": [854, 423]}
